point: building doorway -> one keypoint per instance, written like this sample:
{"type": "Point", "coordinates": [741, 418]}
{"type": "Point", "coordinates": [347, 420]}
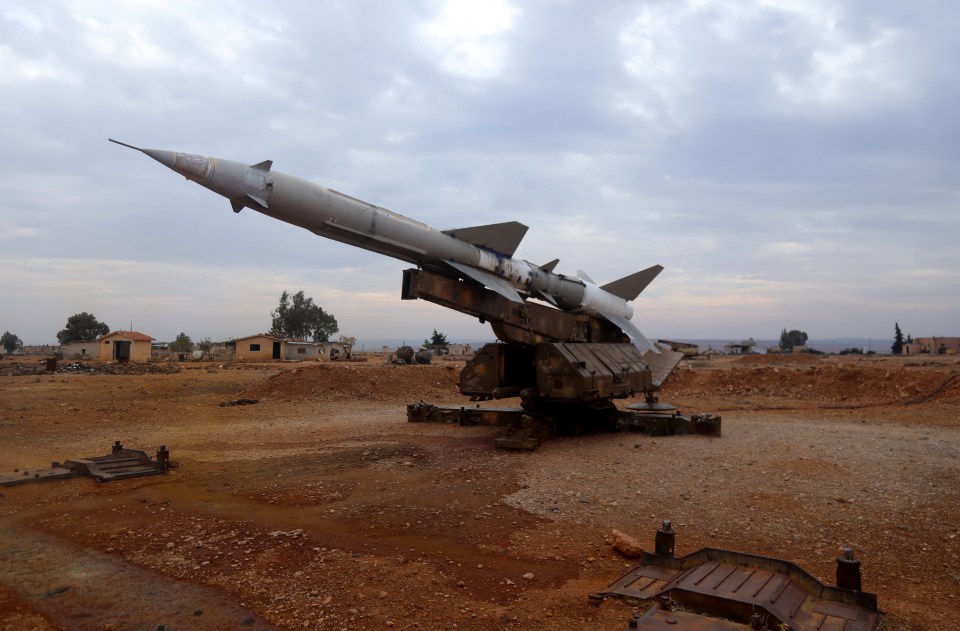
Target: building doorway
{"type": "Point", "coordinates": [121, 351]}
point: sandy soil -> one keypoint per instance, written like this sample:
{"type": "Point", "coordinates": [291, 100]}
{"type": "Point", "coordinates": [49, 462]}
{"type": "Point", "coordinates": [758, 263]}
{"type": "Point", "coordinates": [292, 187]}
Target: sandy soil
{"type": "Point", "coordinates": [320, 507]}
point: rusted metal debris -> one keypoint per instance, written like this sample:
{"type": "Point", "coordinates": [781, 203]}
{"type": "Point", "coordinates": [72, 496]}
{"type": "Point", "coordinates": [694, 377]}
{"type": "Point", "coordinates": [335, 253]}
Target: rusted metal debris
{"type": "Point", "coordinates": [42, 474]}
{"type": "Point", "coordinates": [714, 589]}
{"type": "Point", "coordinates": [121, 463]}
{"type": "Point", "coordinates": [227, 404]}
{"type": "Point", "coordinates": [530, 429]}
{"type": "Point", "coordinates": [422, 412]}
{"type": "Point", "coordinates": [526, 324]}
{"type": "Point", "coordinates": [661, 620]}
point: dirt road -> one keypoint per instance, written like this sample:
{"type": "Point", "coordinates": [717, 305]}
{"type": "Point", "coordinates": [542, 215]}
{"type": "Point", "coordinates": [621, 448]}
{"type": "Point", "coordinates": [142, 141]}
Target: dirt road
{"type": "Point", "coordinates": [320, 507]}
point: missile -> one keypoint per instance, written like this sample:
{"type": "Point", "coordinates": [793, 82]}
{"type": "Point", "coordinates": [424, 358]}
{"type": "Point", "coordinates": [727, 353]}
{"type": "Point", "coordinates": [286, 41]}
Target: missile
{"type": "Point", "coordinates": [479, 254]}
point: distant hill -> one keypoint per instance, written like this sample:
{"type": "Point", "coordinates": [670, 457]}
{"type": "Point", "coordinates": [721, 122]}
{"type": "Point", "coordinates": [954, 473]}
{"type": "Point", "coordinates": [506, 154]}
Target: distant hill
{"type": "Point", "coordinates": [827, 345]}
{"type": "Point", "coordinates": [375, 344]}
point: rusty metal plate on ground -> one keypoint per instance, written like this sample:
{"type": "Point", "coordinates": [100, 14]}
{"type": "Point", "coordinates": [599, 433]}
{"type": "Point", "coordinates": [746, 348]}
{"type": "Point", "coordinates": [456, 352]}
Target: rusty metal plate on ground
{"type": "Point", "coordinates": [36, 475]}
{"type": "Point", "coordinates": [119, 464]}
{"type": "Point", "coordinates": [663, 424]}
{"type": "Point", "coordinates": [422, 412]}
{"type": "Point", "coordinates": [736, 586]}
{"type": "Point", "coordinates": [659, 620]}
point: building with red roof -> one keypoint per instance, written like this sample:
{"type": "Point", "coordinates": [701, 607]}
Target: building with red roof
{"type": "Point", "coordinates": [125, 346]}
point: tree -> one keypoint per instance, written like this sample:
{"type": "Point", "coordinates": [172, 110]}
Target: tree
{"type": "Point", "coordinates": [82, 327]}
{"type": "Point", "coordinates": [299, 318]}
{"type": "Point", "coordinates": [183, 344]}
{"type": "Point", "coordinates": [437, 340]}
{"type": "Point", "coordinates": [11, 343]}
{"type": "Point", "coordinates": [205, 344]}
{"type": "Point", "coordinates": [897, 347]}
{"type": "Point", "coordinates": [789, 339]}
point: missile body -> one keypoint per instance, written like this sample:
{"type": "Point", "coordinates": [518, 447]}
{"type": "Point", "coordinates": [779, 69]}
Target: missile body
{"type": "Point", "coordinates": [482, 254]}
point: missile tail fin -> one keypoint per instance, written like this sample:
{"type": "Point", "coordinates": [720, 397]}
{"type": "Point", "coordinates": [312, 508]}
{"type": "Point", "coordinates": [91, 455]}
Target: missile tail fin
{"type": "Point", "coordinates": [262, 166]}
{"type": "Point", "coordinates": [629, 287]}
{"type": "Point", "coordinates": [546, 298]}
{"type": "Point", "coordinates": [636, 336]}
{"type": "Point", "coordinates": [494, 283]}
{"type": "Point", "coordinates": [582, 275]}
{"type": "Point", "coordinates": [549, 267]}
{"type": "Point", "coordinates": [661, 365]}
{"type": "Point", "coordinates": [502, 238]}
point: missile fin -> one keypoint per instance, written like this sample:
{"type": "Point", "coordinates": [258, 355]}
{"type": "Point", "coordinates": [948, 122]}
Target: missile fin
{"type": "Point", "coordinates": [256, 200]}
{"type": "Point", "coordinates": [251, 200]}
{"type": "Point", "coordinates": [639, 339]}
{"type": "Point", "coordinates": [502, 238]}
{"type": "Point", "coordinates": [582, 275]}
{"type": "Point", "coordinates": [546, 298]}
{"type": "Point", "coordinates": [629, 287]}
{"type": "Point", "coordinates": [661, 364]}
{"type": "Point", "coordinates": [262, 166]}
{"type": "Point", "coordinates": [549, 267]}
{"type": "Point", "coordinates": [495, 283]}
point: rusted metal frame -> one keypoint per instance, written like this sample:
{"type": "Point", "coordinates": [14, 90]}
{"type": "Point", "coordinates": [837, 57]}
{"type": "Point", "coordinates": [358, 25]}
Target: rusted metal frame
{"type": "Point", "coordinates": [657, 619]}
{"type": "Point", "coordinates": [530, 323]}
{"type": "Point", "coordinates": [422, 412]}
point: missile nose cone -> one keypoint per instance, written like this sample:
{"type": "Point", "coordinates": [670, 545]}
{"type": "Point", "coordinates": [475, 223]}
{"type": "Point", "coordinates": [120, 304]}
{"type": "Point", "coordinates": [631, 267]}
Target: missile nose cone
{"type": "Point", "coordinates": [189, 165]}
{"type": "Point", "coordinates": [166, 158]}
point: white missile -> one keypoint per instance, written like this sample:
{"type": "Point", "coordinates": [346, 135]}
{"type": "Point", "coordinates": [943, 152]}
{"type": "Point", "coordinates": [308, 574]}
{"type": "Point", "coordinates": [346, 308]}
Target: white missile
{"type": "Point", "coordinates": [481, 254]}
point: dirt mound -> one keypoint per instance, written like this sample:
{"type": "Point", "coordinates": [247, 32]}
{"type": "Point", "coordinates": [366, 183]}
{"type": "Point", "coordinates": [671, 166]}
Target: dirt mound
{"type": "Point", "coordinates": [801, 377]}
{"type": "Point", "coordinates": [826, 383]}
{"type": "Point", "coordinates": [767, 359]}
{"type": "Point", "coordinates": [20, 369]}
{"type": "Point", "coordinates": [367, 383]}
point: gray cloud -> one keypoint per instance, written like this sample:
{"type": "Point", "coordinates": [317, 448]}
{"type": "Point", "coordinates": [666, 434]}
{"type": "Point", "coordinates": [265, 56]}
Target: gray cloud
{"type": "Point", "coordinates": [790, 163]}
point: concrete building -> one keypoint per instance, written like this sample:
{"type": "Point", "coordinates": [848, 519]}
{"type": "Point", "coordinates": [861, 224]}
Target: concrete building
{"type": "Point", "coordinates": [125, 346]}
{"type": "Point", "coordinates": [743, 348]}
{"type": "Point", "coordinates": [933, 346]}
{"type": "Point", "coordinates": [297, 349]}
{"type": "Point", "coordinates": [335, 350]}
{"type": "Point", "coordinates": [266, 347]}
{"type": "Point", "coordinates": [688, 349]}
{"type": "Point", "coordinates": [41, 349]}
{"type": "Point", "coordinates": [80, 349]}
{"type": "Point", "coordinates": [460, 349]}
{"type": "Point", "coordinates": [258, 348]}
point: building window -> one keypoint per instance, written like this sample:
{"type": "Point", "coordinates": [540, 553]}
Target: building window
{"type": "Point", "coordinates": [254, 347]}
{"type": "Point", "coordinates": [301, 351]}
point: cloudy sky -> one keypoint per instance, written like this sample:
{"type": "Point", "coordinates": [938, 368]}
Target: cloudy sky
{"type": "Point", "coordinates": [791, 163]}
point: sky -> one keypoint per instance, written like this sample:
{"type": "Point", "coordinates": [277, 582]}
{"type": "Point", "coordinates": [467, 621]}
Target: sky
{"type": "Point", "coordinates": [791, 163]}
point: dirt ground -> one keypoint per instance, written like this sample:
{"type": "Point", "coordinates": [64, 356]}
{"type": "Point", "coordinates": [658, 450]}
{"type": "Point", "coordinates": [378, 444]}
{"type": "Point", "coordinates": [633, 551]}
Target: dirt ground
{"type": "Point", "coordinates": [320, 507]}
